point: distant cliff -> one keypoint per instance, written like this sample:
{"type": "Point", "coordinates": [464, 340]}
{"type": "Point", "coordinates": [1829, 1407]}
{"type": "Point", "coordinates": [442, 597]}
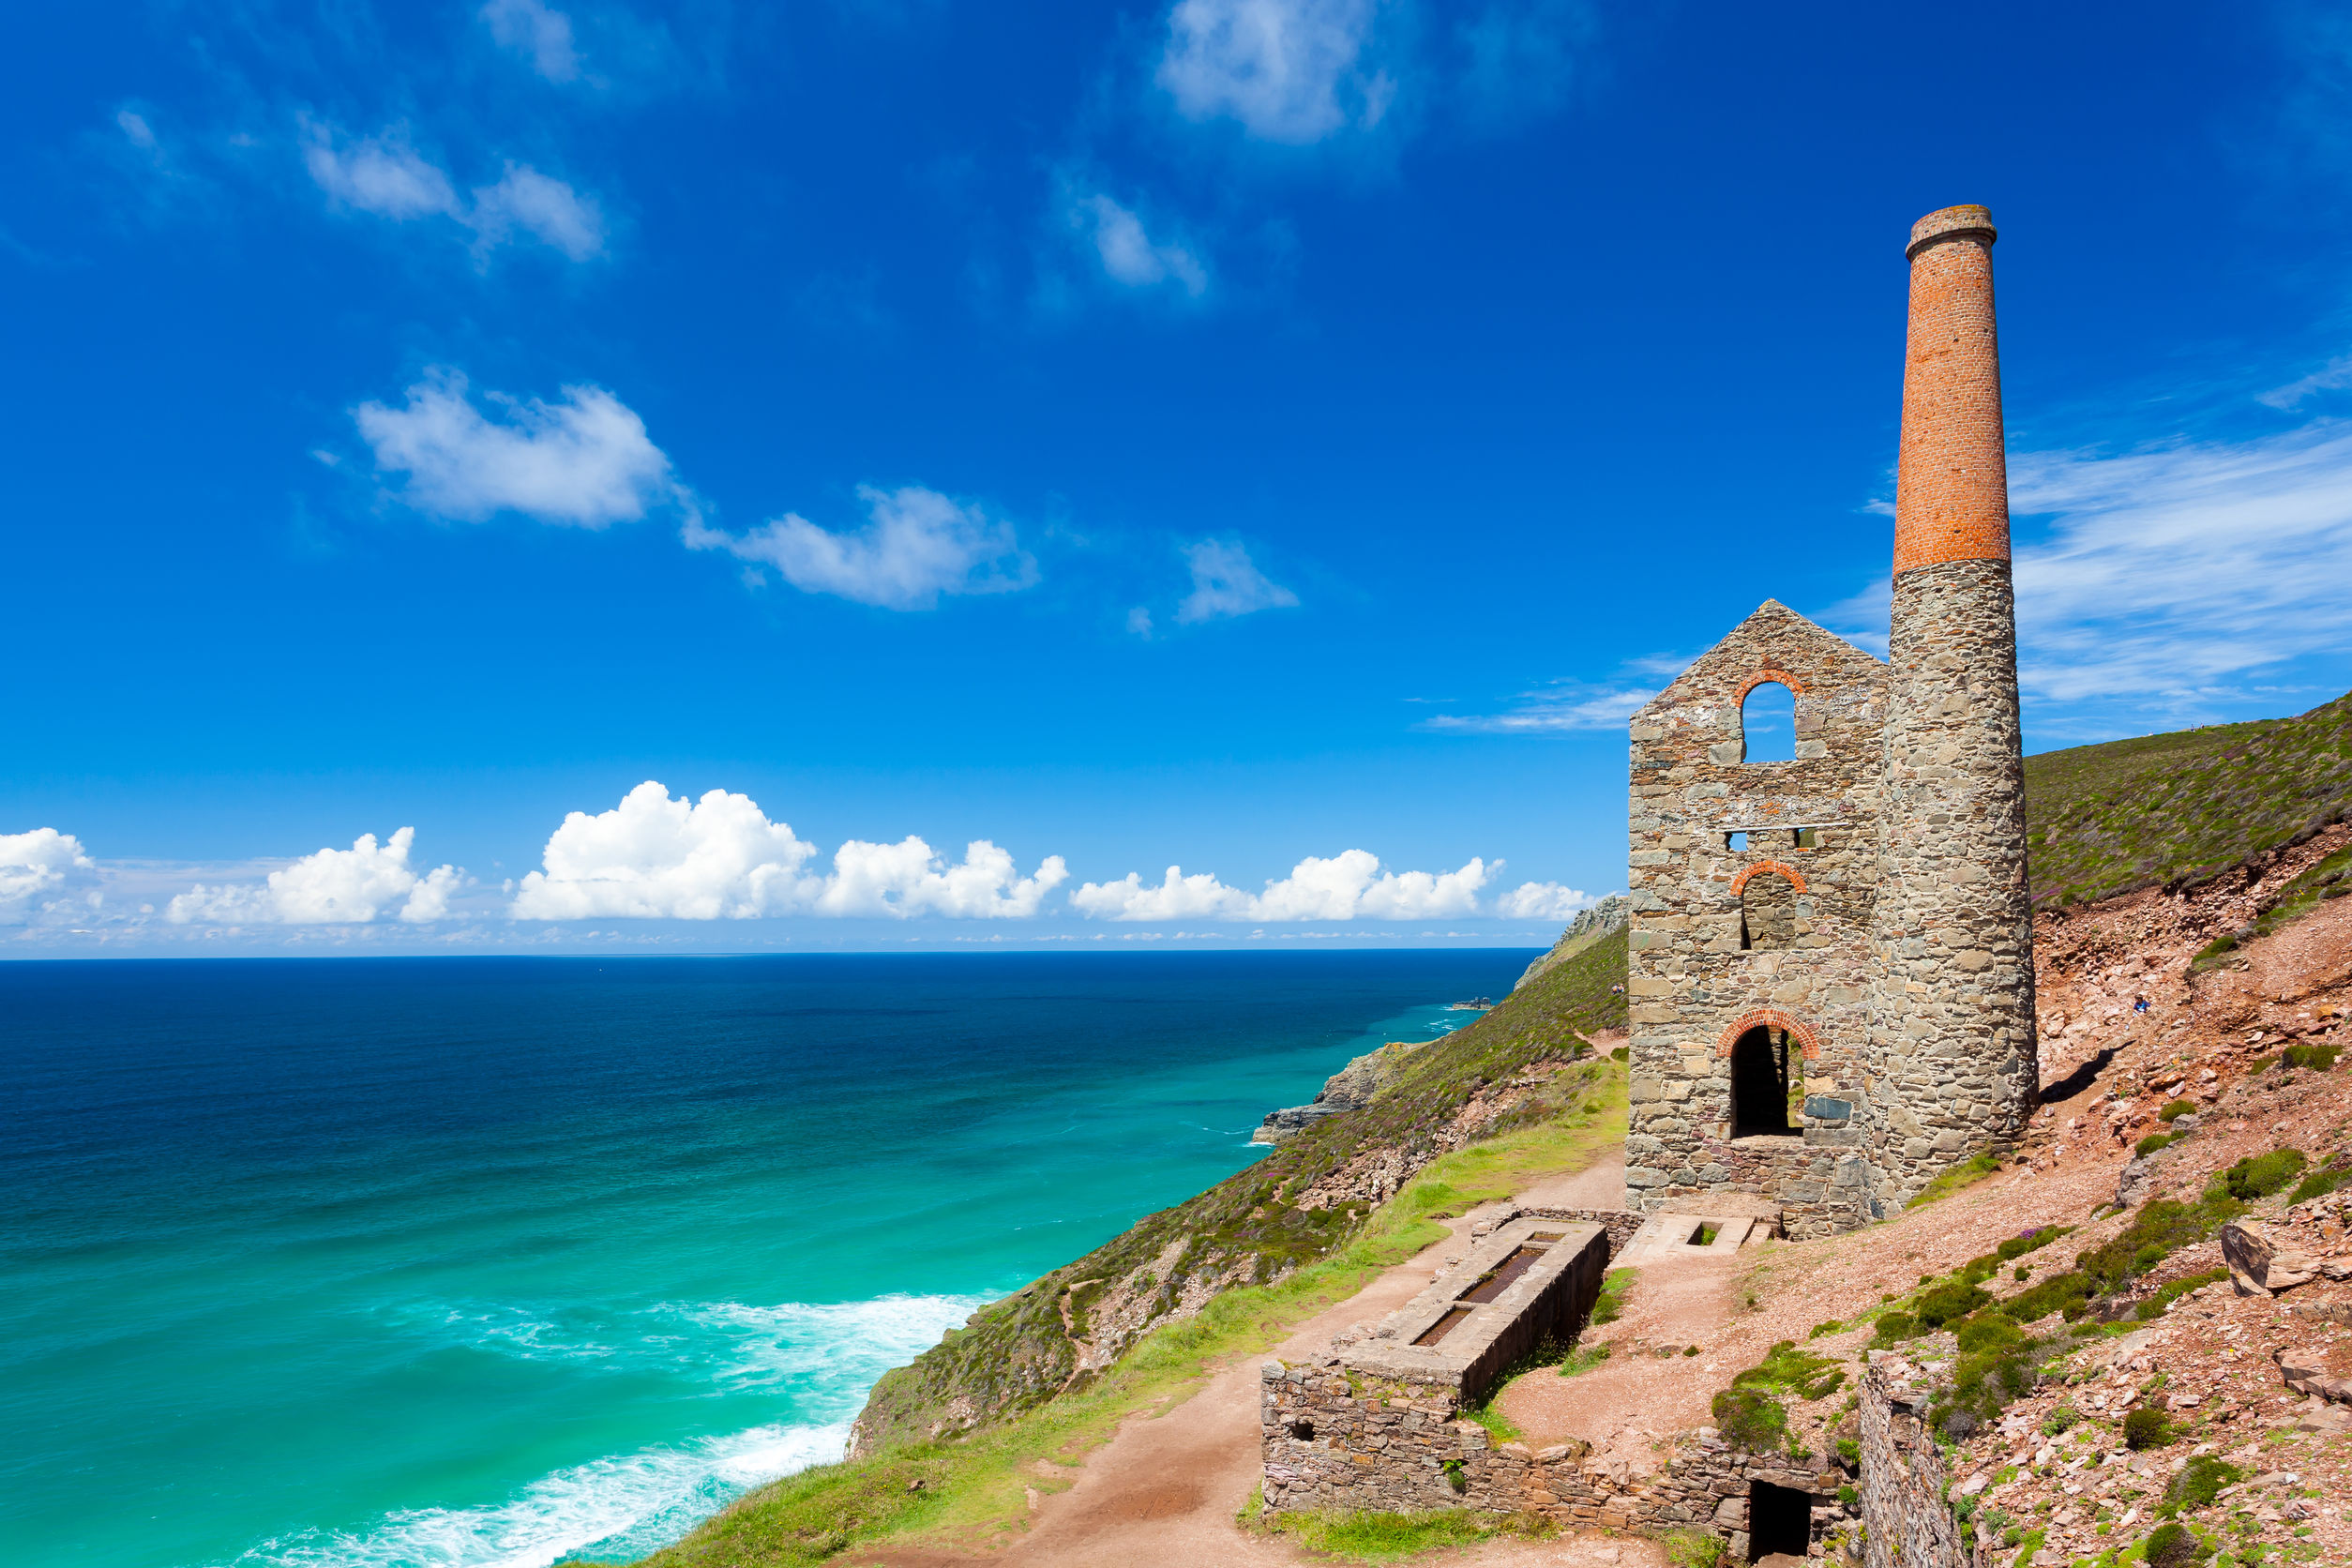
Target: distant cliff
{"type": "Point", "coordinates": [1609, 914]}
{"type": "Point", "coordinates": [1351, 1088]}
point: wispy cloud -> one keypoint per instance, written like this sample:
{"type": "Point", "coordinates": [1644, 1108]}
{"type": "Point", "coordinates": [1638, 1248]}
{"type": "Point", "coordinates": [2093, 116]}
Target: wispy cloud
{"type": "Point", "coordinates": [917, 545]}
{"type": "Point", "coordinates": [1287, 70]}
{"type": "Point", "coordinates": [721, 857]}
{"type": "Point", "coordinates": [1557, 707]}
{"type": "Point", "coordinates": [1129, 255]}
{"type": "Point", "coordinates": [583, 459]}
{"type": "Point", "coordinates": [1349, 885]}
{"type": "Point", "coordinates": [1227, 582]}
{"type": "Point", "coordinates": [538, 33]}
{"type": "Point", "coordinates": [385, 175]}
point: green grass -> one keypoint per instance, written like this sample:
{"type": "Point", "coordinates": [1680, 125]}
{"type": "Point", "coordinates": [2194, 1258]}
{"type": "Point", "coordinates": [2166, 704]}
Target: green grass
{"type": "Point", "coordinates": [1963, 1175]}
{"type": "Point", "coordinates": [2175, 808]}
{"type": "Point", "coordinates": [1609, 1304]}
{"type": "Point", "coordinates": [2259, 1176]}
{"type": "Point", "coordinates": [2322, 1181]}
{"type": "Point", "coordinates": [1363, 1536]}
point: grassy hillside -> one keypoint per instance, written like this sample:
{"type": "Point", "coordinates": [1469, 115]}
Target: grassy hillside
{"type": "Point", "coordinates": [1249, 1229]}
{"type": "Point", "coordinates": [2175, 808]}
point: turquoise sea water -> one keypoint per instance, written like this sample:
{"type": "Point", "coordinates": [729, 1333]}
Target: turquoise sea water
{"type": "Point", "coordinates": [485, 1262]}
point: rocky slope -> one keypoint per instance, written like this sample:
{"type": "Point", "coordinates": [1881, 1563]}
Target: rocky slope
{"type": "Point", "coordinates": [1296, 1205]}
{"type": "Point", "coordinates": [1610, 914]}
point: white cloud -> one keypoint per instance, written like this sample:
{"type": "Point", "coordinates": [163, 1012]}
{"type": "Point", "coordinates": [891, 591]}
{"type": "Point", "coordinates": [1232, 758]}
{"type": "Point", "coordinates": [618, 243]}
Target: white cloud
{"type": "Point", "coordinates": [1225, 582]}
{"type": "Point", "coordinates": [1288, 71]}
{"type": "Point", "coordinates": [658, 858]}
{"type": "Point", "coordinates": [908, 878]}
{"type": "Point", "coordinates": [385, 175]}
{"type": "Point", "coordinates": [333, 887]}
{"type": "Point", "coordinates": [1128, 254]}
{"type": "Point", "coordinates": [1555, 708]}
{"type": "Point", "coordinates": [380, 173]}
{"type": "Point", "coordinates": [584, 459]}
{"type": "Point", "coordinates": [653, 857]}
{"type": "Point", "coordinates": [36, 866]}
{"type": "Point", "coordinates": [2171, 568]}
{"type": "Point", "coordinates": [1347, 887]}
{"type": "Point", "coordinates": [539, 34]}
{"type": "Point", "coordinates": [547, 208]}
{"type": "Point", "coordinates": [917, 545]}
{"type": "Point", "coordinates": [1140, 622]}
{"type": "Point", "coordinates": [1540, 901]}
{"type": "Point", "coordinates": [136, 129]}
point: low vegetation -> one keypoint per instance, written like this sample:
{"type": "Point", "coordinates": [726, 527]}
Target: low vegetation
{"type": "Point", "coordinates": [1374, 1537]}
{"type": "Point", "coordinates": [1967, 1173]}
{"type": "Point", "coordinates": [2178, 808]}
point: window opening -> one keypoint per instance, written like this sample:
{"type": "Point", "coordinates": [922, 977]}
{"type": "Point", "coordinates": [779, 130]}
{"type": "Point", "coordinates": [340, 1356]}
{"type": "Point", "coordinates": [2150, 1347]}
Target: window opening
{"type": "Point", "coordinates": [1807, 837]}
{"type": "Point", "coordinates": [1737, 842]}
{"type": "Point", "coordinates": [1759, 1084]}
{"type": "Point", "coordinates": [1767, 724]}
{"type": "Point", "coordinates": [1767, 912]}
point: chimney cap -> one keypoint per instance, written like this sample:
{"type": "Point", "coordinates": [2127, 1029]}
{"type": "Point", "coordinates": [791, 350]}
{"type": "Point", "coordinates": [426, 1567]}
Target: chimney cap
{"type": "Point", "coordinates": [1970, 221]}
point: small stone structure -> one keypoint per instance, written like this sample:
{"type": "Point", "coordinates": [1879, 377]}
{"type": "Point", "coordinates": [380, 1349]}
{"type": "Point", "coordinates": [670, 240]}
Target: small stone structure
{"type": "Point", "coordinates": [1906, 1521]}
{"type": "Point", "coordinates": [1831, 965]}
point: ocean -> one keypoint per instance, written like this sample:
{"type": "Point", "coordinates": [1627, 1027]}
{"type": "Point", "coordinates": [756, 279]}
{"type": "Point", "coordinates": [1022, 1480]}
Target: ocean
{"type": "Point", "coordinates": [494, 1262]}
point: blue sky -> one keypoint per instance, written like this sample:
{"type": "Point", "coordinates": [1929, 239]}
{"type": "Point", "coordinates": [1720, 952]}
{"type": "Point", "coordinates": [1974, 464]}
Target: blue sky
{"type": "Point", "coordinates": [1277, 438]}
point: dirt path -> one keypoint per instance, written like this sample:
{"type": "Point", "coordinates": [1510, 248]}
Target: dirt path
{"type": "Point", "coordinates": [1165, 1490]}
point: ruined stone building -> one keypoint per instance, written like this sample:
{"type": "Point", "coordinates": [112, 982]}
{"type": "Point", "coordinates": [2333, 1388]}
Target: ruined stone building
{"type": "Point", "coordinates": [1831, 955]}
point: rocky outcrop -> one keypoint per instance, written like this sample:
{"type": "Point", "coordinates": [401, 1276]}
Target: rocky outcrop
{"type": "Point", "coordinates": [1589, 926]}
{"type": "Point", "coordinates": [1349, 1089]}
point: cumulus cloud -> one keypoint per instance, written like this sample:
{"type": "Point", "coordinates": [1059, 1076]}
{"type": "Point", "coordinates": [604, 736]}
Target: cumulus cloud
{"type": "Point", "coordinates": [1226, 581]}
{"type": "Point", "coordinates": [1128, 254]}
{"type": "Point", "coordinates": [1540, 901]}
{"type": "Point", "coordinates": [1288, 71]}
{"type": "Point", "coordinates": [658, 858]}
{"type": "Point", "coordinates": [538, 32]}
{"type": "Point", "coordinates": [1347, 887]}
{"type": "Point", "coordinates": [653, 857]}
{"type": "Point", "coordinates": [917, 544]}
{"type": "Point", "coordinates": [584, 459]}
{"type": "Point", "coordinates": [385, 175]}
{"type": "Point", "coordinates": [37, 866]}
{"type": "Point", "coordinates": [333, 887]}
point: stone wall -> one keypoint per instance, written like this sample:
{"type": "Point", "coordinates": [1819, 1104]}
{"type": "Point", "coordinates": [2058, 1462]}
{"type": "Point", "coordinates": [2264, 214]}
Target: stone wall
{"type": "Point", "coordinates": [1906, 1521]}
{"type": "Point", "coordinates": [1951, 1025]}
{"type": "Point", "coordinates": [1696, 976]}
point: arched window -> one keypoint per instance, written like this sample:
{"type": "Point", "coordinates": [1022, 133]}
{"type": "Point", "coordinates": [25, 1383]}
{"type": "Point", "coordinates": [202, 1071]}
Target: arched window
{"type": "Point", "coordinates": [1767, 912]}
{"type": "Point", "coordinates": [1759, 1084]}
{"type": "Point", "coordinates": [1768, 723]}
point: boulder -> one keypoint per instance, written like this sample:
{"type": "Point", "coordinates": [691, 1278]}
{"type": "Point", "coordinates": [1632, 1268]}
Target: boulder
{"type": "Point", "coordinates": [2306, 1372]}
{"type": "Point", "coordinates": [2259, 1266]}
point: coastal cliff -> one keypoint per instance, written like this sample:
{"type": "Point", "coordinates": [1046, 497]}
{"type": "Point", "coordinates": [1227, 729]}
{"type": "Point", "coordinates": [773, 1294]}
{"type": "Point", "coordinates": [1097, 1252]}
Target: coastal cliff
{"type": "Point", "coordinates": [1298, 1204]}
{"type": "Point", "coordinates": [1611, 914]}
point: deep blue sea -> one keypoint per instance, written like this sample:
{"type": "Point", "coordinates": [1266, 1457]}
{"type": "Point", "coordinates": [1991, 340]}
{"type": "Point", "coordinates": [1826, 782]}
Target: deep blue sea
{"type": "Point", "coordinates": [463, 1263]}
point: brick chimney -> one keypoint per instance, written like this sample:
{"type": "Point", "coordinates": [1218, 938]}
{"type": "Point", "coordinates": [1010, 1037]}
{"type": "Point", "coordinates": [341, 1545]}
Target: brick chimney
{"type": "Point", "coordinates": [1952, 490]}
{"type": "Point", "coordinates": [1952, 1018]}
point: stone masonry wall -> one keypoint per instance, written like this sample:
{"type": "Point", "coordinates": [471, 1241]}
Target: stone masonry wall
{"type": "Point", "coordinates": [1906, 1520]}
{"type": "Point", "coordinates": [1951, 1024]}
{"type": "Point", "coordinates": [1691, 986]}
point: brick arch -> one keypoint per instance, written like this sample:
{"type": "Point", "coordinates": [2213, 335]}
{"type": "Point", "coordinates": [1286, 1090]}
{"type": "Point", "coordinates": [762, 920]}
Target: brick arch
{"type": "Point", "coordinates": [1769, 1017]}
{"type": "Point", "coordinates": [1779, 866]}
{"type": "Point", "coordinates": [1767, 675]}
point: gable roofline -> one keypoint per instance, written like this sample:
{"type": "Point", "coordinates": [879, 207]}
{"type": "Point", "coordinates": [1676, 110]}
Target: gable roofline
{"type": "Point", "coordinates": [1788, 621]}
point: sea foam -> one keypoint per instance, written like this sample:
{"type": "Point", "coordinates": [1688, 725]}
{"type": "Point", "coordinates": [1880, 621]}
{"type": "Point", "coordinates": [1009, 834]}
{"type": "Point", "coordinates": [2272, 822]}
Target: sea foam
{"type": "Point", "coordinates": [819, 1357]}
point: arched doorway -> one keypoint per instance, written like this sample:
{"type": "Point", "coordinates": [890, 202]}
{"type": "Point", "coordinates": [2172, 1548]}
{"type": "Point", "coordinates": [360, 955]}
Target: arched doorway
{"type": "Point", "coordinates": [1759, 1084]}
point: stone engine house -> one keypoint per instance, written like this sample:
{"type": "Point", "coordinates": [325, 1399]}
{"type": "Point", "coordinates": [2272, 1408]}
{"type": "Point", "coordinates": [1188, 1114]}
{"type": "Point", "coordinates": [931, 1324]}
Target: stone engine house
{"type": "Point", "coordinates": [1830, 973]}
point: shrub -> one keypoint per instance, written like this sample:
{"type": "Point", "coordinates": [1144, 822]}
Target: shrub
{"type": "Point", "coordinates": [2058, 1421]}
{"type": "Point", "coordinates": [2174, 1109]}
{"type": "Point", "coordinates": [1694, 1548]}
{"type": "Point", "coordinates": [2173, 1546]}
{"type": "Point", "coordinates": [2156, 1303]}
{"type": "Point", "coordinates": [1959, 1423]}
{"type": "Point", "coordinates": [2030, 1240]}
{"type": "Point", "coordinates": [2261, 1176]}
{"type": "Point", "coordinates": [1799, 1372]}
{"type": "Point", "coordinates": [1991, 1331]}
{"type": "Point", "coordinates": [1956, 1299]}
{"type": "Point", "coordinates": [1832, 1326]}
{"type": "Point", "coordinates": [2321, 1183]}
{"type": "Point", "coordinates": [1896, 1325]}
{"type": "Point", "coordinates": [2199, 1481]}
{"type": "Point", "coordinates": [1751, 1418]}
{"type": "Point", "coordinates": [2317, 1058]}
{"type": "Point", "coordinates": [2152, 1142]}
{"type": "Point", "coordinates": [1849, 1449]}
{"type": "Point", "coordinates": [2147, 1427]}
